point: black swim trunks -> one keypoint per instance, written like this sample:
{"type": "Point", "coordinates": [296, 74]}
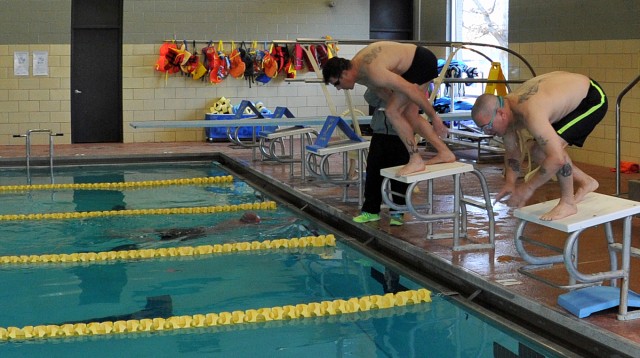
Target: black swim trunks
{"type": "Point", "coordinates": [577, 125]}
{"type": "Point", "coordinates": [424, 67]}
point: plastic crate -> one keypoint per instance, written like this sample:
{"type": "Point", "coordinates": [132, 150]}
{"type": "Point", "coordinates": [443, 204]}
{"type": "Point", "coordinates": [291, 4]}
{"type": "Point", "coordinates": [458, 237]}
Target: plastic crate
{"type": "Point", "coordinates": [219, 134]}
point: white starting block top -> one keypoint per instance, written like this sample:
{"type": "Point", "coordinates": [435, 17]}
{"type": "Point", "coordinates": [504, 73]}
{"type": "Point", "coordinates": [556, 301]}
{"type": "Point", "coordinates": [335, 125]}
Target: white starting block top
{"type": "Point", "coordinates": [431, 172]}
{"type": "Point", "coordinates": [339, 147]}
{"type": "Point", "coordinates": [594, 210]}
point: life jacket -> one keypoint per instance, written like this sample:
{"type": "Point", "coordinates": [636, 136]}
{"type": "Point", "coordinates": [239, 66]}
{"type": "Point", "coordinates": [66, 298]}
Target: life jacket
{"type": "Point", "coordinates": [290, 69]}
{"type": "Point", "coordinates": [200, 70]}
{"type": "Point", "coordinates": [332, 48]}
{"type": "Point", "coordinates": [298, 57]}
{"type": "Point", "coordinates": [248, 60]}
{"type": "Point", "coordinates": [184, 60]}
{"type": "Point", "coordinates": [223, 70]}
{"type": "Point", "coordinates": [166, 59]}
{"type": "Point", "coordinates": [270, 64]}
{"type": "Point", "coordinates": [321, 54]}
{"type": "Point", "coordinates": [280, 55]}
{"type": "Point", "coordinates": [213, 63]}
{"type": "Point", "coordinates": [237, 65]}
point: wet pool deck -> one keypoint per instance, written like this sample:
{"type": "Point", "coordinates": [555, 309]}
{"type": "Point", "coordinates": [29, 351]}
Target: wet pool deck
{"type": "Point", "coordinates": [487, 268]}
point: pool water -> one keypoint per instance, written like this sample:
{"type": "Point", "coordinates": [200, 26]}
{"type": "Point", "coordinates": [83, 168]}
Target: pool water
{"type": "Point", "coordinates": [57, 293]}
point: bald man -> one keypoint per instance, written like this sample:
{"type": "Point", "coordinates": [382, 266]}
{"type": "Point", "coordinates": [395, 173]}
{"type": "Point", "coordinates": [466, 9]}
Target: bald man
{"type": "Point", "coordinates": [558, 109]}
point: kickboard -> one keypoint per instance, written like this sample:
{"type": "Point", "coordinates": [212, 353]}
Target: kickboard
{"type": "Point", "coordinates": [585, 301]}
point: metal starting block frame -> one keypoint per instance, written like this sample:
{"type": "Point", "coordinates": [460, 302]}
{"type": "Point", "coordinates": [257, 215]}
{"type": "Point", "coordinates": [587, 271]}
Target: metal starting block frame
{"type": "Point", "coordinates": [273, 141]}
{"type": "Point", "coordinates": [460, 202]}
{"type": "Point", "coordinates": [595, 209]}
{"type": "Point", "coordinates": [317, 156]}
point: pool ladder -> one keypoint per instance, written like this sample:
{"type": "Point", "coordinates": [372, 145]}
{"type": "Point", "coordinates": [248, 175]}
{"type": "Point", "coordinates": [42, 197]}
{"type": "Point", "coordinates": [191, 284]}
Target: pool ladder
{"type": "Point", "coordinates": [28, 138]}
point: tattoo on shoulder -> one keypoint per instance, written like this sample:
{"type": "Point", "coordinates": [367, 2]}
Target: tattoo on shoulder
{"type": "Point", "coordinates": [371, 55]}
{"type": "Point", "coordinates": [565, 170]}
{"type": "Point", "coordinates": [528, 92]}
{"type": "Point", "coordinates": [514, 164]}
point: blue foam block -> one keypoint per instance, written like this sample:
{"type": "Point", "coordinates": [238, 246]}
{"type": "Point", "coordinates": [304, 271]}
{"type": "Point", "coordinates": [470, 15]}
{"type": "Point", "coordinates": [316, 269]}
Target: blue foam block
{"type": "Point", "coordinates": [585, 301]}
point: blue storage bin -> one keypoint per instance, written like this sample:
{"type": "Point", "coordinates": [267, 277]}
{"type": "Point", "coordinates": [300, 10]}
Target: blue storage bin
{"type": "Point", "coordinates": [244, 133]}
{"type": "Point", "coordinates": [219, 134]}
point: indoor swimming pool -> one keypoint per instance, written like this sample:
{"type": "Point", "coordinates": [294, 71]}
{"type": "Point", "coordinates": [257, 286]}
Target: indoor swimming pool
{"type": "Point", "coordinates": [189, 259]}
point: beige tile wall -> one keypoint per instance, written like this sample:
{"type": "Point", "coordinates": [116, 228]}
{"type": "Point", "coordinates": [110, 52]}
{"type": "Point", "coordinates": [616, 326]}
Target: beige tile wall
{"type": "Point", "coordinates": [31, 102]}
{"type": "Point", "coordinates": [35, 102]}
{"type": "Point", "coordinates": [43, 102]}
{"type": "Point", "coordinates": [614, 64]}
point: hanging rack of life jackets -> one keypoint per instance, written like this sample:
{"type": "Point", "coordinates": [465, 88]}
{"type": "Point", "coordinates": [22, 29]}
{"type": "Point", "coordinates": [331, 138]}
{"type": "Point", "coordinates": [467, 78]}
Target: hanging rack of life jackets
{"type": "Point", "coordinates": [254, 61]}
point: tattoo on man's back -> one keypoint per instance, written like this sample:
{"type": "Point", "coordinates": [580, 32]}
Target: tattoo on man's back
{"type": "Point", "coordinates": [369, 57]}
{"type": "Point", "coordinates": [530, 91]}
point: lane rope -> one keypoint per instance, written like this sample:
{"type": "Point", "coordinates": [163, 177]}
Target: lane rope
{"type": "Point", "coordinates": [83, 257]}
{"type": "Point", "coordinates": [278, 313]}
{"type": "Point", "coordinates": [264, 205]}
{"type": "Point", "coordinates": [223, 179]}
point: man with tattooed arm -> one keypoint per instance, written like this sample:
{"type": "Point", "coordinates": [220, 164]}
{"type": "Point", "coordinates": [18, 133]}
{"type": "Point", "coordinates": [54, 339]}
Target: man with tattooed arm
{"type": "Point", "coordinates": [558, 109]}
{"type": "Point", "coordinates": [399, 74]}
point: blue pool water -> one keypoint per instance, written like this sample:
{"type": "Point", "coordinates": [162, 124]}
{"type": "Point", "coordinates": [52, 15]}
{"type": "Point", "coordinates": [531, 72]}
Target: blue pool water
{"type": "Point", "coordinates": [35, 294]}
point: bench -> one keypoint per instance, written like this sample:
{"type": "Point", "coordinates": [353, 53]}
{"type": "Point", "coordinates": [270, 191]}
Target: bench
{"type": "Point", "coordinates": [586, 296]}
{"type": "Point", "coordinates": [459, 212]}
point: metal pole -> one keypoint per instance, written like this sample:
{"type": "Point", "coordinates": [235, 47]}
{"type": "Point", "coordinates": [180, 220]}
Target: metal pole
{"type": "Point", "coordinates": [622, 94]}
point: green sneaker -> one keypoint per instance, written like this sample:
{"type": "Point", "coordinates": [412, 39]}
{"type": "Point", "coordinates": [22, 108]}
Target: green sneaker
{"type": "Point", "coordinates": [396, 220]}
{"type": "Point", "coordinates": [366, 217]}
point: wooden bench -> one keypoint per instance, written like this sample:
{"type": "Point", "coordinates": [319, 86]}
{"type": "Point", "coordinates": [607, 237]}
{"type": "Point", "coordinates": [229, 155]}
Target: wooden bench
{"type": "Point", "coordinates": [587, 295]}
{"type": "Point", "coordinates": [459, 212]}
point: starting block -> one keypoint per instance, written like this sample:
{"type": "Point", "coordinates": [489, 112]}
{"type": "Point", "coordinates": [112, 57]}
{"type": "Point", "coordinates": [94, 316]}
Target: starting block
{"type": "Point", "coordinates": [317, 156]}
{"type": "Point", "coordinates": [460, 202]}
{"type": "Point", "coordinates": [595, 209]}
{"type": "Point", "coordinates": [272, 140]}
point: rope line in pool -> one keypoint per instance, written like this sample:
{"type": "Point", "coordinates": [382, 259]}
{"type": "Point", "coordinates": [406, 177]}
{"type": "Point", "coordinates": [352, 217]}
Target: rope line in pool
{"type": "Point", "coordinates": [277, 313]}
{"type": "Point", "coordinates": [302, 242]}
{"type": "Point", "coordinates": [222, 179]}
{"type": "Point", "coordinates": [264, 205]}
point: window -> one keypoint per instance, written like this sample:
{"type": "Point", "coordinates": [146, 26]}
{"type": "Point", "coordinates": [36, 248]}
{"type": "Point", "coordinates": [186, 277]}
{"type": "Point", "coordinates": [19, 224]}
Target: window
{"type": "Point", "coordinates": [482, 21]}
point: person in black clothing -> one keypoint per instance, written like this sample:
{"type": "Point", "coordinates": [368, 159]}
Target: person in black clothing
{"type": "Point", "coordinates": [385, 150]}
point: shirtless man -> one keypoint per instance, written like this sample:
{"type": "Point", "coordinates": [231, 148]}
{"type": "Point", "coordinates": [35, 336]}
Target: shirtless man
{"type": "Point", "coordinates": [558, 109]}
{"type": "Point", "coordinates": [399, 74]}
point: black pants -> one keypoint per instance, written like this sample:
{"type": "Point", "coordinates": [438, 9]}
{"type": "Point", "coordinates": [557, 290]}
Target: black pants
{"type": "Point", "coordinates": [384, 151]}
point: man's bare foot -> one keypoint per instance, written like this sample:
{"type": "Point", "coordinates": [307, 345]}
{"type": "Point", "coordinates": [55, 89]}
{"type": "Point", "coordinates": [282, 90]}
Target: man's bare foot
{"type": "Point", "coordinates": [416, 164]}
{"type": "Point", "coordinates": [447, 157]}
{"type": "Point", "coordinates": [585, 188]}
{"type": "Point", "coordinates": [561, 211]}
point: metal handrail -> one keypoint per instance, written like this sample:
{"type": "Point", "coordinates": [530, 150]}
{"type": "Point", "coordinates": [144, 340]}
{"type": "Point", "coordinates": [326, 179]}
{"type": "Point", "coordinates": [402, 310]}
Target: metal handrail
{"type": "Point", "coordinates": [618, 101]}
{"type": "Point", "coordinates": [28, 149]}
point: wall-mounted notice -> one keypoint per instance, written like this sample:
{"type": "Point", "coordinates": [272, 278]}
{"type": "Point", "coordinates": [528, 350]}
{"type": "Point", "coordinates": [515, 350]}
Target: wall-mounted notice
{"type": "Point", "coordinates": [40, 63]}
{"type": "Point", "coordinates": [21, 63]}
